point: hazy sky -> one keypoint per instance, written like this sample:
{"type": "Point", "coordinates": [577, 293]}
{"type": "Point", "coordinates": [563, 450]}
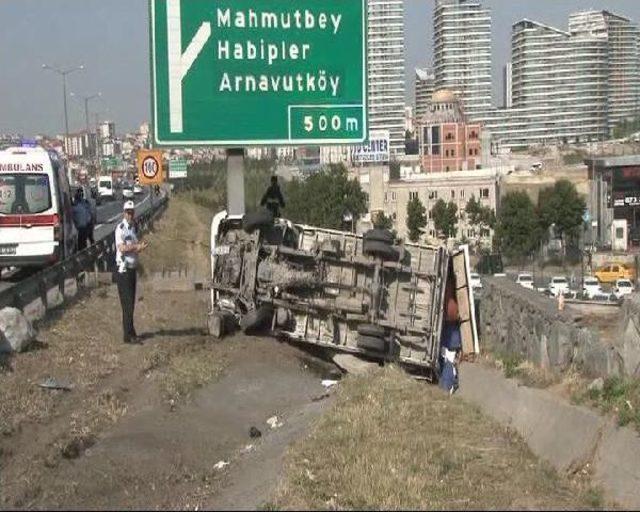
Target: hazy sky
{"type": "Point", "coordinates": [110, 37]}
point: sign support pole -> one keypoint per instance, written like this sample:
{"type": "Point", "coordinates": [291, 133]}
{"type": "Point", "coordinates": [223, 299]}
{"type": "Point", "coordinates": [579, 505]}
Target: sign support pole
{"type": "Point", "coordinates": [235, 181]}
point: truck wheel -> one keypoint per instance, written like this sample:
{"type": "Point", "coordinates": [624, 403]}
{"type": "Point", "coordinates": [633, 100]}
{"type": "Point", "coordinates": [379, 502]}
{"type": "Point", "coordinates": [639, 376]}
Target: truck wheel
{"type": "Point", "coordinates": [256, 220]}
{"type": "Point", "coordinates": [255, 319]}
{"type": "Point", "coordinates": [372, 343]}
{"type": "Point", "coordinates": [380, 235]}
{"type": "Point", "coordinates": [371, 330]}
{"type": "Point", "coordinates": [380, 250]}
{"type": "Point", "coordinates": [215, 323]}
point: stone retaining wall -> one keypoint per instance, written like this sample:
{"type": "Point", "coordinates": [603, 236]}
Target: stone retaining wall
{"type": "Point", "coordinates": [514, 320]}
{"type": "Point", "coordinates": [628, 342]}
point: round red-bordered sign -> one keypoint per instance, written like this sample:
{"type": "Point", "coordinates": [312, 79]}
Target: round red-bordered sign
{"type": "Point", "coordinates": [150, 167]}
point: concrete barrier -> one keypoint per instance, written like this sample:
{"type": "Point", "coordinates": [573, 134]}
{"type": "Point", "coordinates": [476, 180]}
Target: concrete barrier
{"type": "Point", "coordinates": [515, 320]}
{"type": "Point", "coordinates": [567, 436]}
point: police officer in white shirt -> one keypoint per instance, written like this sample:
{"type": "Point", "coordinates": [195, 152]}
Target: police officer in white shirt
{"type": "Point", "coordinates": [127, 249]}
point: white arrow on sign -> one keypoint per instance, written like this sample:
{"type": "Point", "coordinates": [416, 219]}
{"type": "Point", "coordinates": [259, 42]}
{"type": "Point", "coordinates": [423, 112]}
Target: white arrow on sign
{"type": "Point", "coordinates": [180, 63]}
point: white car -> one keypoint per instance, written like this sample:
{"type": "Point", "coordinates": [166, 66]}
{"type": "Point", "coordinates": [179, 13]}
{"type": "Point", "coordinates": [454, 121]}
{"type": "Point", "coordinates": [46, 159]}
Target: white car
{"type": "Point", "coordinates": [591, 288]}
{"type": "Point", "coordinates": [476, 284]}
{"type": "Point", "coordinates": [137, 189]}
{"type": "Point", "coordinates": [623, 287]}
{"type": "Point", "coordinates": [558, 285]}
{"type": "Point", "coordinates": [105, 188]}
{"type": "Point", "coordinates": [525, 280]}
{"type": "Point", "coordinates": [127, 193]}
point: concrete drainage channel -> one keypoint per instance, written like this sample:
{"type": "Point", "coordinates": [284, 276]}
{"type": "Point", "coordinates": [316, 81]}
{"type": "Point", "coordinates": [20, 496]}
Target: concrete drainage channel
{"type": "Point", "coordinates": [30, 300]}
{"type": "Point", "coordinates": [569, 437]}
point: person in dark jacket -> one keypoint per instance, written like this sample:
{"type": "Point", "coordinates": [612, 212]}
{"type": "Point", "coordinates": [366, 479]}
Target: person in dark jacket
{"type": "Point", "coordinates": [272, 198]}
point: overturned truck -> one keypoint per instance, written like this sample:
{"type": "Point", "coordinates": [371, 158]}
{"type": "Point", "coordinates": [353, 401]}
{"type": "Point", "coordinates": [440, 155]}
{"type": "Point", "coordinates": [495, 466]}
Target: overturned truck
{"type": "Point", "coordinates": [358, 294]}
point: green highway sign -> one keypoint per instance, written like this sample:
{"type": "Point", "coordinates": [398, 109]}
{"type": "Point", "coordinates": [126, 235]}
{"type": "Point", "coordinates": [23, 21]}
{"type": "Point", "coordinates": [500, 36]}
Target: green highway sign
{"type": "Point", "coordinates": [111, 163]}
{"type": "Point", "coordinates": [258, 72]}
{"type": "Point", "coordinates": [177, 169]}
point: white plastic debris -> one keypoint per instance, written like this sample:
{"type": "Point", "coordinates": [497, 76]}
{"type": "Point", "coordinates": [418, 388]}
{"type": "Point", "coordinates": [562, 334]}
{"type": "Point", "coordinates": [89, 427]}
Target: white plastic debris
{"type": "Point", "coordinates": [248, 448]}
{"type": "Point", "coordinates": [220, 465]}
{"type": "Point", "coordinates": [273, 422]}
{"type": "Point", "coordinates": [327, 383]}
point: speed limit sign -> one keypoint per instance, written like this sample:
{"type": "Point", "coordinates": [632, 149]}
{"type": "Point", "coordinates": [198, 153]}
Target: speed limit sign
{"type": "Point", "coordinates": [150, 167]}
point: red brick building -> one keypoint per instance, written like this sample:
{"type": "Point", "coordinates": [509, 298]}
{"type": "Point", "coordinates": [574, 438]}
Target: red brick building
{"type": "Point", "coordinates": [447, 143]}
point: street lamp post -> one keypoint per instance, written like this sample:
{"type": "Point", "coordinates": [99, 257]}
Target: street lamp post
{"type": "Point", "coordinates": [63, 73]}
{"type": "Point", "coordinates": [86, 99]}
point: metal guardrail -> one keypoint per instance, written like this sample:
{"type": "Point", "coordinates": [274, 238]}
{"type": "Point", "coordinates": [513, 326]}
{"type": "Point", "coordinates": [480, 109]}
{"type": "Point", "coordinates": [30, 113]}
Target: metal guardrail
{"type": "Point", "coordinates": [99, 257]}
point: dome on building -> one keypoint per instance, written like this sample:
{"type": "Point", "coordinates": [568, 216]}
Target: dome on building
{"type": "Point", "coordinates": [444, 96]}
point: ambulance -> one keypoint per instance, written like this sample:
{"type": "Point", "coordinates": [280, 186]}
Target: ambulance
{"type": "Point", "coordinates": [36, 222]}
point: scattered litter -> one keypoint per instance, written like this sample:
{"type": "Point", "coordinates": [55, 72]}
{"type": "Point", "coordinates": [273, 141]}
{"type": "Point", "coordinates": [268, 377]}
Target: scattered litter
{"type": "Point", "coordinates": [52, 383]}
{"type": "Point", "coordinates": [273, 422]}
{"type": "Point", "coordinates": [247, 449]}
{"type": "Point", "coordinates": [220, 465]}
{"type": "Point", "coordinates": [327, 383]}
{"type": "Point", "coordinates": [254, 432]}
{"type": "Point", "coordinates": [629, 405]}
{"type": "Point", "coordinates": [310, 475]}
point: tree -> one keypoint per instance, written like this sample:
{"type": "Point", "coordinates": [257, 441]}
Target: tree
{"type": "Point", "coordinates": [480, 217]}
{"type": "Point", "coordinates": [381, 221]}
{"type": "Point", "coordinates": [561, 205]}
{"type": "Point", "coordinates": [445, 218]}
{"type": "Point", "coordinates": [324, 198]}
{"type": "Point", "coordinates": [518, 231]}
{"type": "Point", "coordinates": [416, 218]}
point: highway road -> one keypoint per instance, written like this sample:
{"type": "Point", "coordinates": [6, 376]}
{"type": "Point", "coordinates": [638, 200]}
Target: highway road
{"type": "Point", "coordinates": [108, 215]}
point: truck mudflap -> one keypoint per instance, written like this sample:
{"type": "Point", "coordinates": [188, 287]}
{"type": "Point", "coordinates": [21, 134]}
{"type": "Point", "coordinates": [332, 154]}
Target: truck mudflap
{"type": "Point", "coordinates": [338, 290]}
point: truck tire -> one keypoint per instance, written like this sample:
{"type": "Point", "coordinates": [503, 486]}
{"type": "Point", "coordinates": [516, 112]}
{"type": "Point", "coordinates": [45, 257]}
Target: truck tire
{"type": "Point", "coordinates": [371, 330]}
{"type": "Point", "coordinates": [372, 343]}
{"type": "Point", "coordinates": [380, 250]}
{"type": "Point", "coordinates": [380, 235]}
{"type": "Point", "coordinates": [255, 319]}
{"type": "Point", "coordinates": [256, 220]}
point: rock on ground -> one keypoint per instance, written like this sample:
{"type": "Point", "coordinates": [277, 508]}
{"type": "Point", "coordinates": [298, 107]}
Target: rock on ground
{"type": "Point", "coordinates": [16, 333]}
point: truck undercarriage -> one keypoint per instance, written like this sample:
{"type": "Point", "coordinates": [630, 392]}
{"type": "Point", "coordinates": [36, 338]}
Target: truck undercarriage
{"type": "Point", "coordinates": [338, 290]}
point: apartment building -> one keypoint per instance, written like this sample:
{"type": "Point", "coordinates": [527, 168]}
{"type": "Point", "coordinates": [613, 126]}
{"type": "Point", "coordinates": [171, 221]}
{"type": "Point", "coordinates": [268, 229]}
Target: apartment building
{"type": "Point", "coordinates": [386, 58]}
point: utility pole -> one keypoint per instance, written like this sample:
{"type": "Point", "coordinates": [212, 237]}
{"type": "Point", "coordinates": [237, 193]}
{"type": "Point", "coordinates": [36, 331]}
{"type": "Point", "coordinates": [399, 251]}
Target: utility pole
{"type": "Point", "coordinates": [86, 111]}
{"type": "Point", "coordinates": [86, 106]}
{"type": "Point", "coordinates": [63, 73]}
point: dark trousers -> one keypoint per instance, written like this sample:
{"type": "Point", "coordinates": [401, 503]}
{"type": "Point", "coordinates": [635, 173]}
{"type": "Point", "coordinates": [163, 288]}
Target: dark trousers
{"type": "Point", "coordinates": [127, 291]}
{"type": "Point", "coordinates": [90, 234]}
{"type": "Point", "coordinates": [83, 236]}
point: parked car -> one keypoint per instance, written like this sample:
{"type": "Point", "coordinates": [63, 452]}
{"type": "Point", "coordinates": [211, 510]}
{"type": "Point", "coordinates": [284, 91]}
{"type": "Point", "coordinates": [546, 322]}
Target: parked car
{"type": "Point", "coordinates": [476, 283]}
{"type": "Point", "coordinates": [558, 285]}
{"type": "Point", "coordinates": [591, 288]}
{"type": "Point", "coordinates": [525, 280]}
{"type": "Point", "coordinates": [137, 189]}
{"type": "Point", "coordinates": [623, 287]}
{"type": "Point", "coordinates": [614, 271]}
